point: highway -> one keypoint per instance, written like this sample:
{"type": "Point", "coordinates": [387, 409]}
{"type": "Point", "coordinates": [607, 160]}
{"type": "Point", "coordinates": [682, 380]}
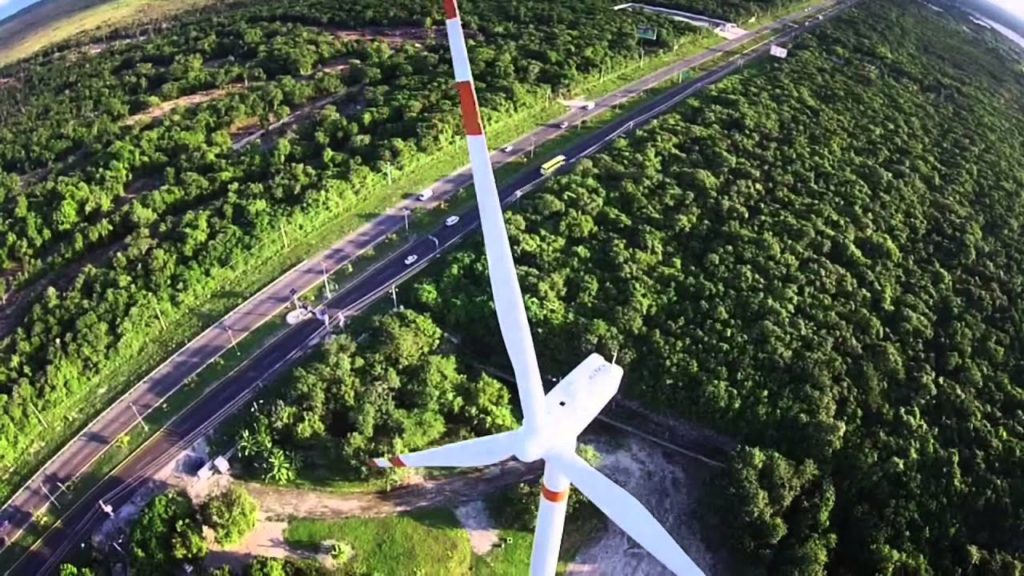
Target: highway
{"type": "Point", "coordinates": [77, 521]}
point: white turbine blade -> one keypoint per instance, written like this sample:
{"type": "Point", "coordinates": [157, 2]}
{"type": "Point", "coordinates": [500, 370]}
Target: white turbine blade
{"type": "Point", "coordinates": [547, 537]}
{"type": "Point", "coordinates": [626, 511]}
{"type": "Point", "coordinates": [476, 452]}
{"type": "Point", "coordinates": [508, 298]}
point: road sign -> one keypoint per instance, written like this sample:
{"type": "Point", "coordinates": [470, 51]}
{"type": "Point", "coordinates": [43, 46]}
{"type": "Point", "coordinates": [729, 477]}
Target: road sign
{"type": "Point", "coordinates": [778, 51]}
{"type": "Point", "coordinates": [647, 32]}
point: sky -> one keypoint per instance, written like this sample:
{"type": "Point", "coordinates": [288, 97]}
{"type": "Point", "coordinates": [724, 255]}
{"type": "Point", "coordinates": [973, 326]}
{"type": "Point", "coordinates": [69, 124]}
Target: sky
{"type": "Point", "coordinates": [8, 7]}
{"type": "Point", "coordinates": [1015, 7]}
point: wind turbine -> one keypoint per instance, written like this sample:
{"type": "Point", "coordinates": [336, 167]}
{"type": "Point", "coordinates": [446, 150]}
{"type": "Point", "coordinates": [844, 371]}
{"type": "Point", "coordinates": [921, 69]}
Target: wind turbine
{"type": "Point", "coordinates": [552, 423]}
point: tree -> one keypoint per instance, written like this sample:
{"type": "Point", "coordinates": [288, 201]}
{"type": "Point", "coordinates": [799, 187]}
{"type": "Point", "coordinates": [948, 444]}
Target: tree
{"type": "Point", "coordinates": [167, 535]}
{"type": "Point", "coordinates": [72, 570]}
{"type": "Point", "coordinates": [264, 566]}
{"type": "Point", "coordinates": [231, 514]}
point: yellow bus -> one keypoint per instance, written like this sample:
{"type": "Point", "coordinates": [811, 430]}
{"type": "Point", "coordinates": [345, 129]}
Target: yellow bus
{"type": "Point", "coordinates": [552, 165]}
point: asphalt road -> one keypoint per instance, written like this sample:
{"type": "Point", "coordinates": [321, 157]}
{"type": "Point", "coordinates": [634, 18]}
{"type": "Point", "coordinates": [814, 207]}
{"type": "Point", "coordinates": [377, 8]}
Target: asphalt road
{"type": "Point", "coordinates": [83, 517]}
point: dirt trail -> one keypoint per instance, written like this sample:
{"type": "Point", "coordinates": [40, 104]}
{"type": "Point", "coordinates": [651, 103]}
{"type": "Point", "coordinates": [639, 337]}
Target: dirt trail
{"type": "Point", "coordinates": [284, 502]}
{"type": "Point", "coordinates": [293, 118]}
{"type": "Point", "coordinates": [389, 35]}
{"type": "Point", "coordinates": [162, 109]}
{"type": "Point", "coordinates": [18, 302]}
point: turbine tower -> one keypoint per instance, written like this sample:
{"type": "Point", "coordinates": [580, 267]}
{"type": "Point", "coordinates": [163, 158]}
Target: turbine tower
{"type": "Point", "coordinates": [551, 423]}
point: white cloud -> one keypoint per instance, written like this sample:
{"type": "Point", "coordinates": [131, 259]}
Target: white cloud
{"type": "Point", "coordinates": [1015, 7]}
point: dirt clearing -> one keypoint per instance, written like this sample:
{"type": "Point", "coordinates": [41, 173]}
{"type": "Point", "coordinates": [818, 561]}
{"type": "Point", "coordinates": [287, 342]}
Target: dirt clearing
{"type": "Point", "coordinates": [164, 108]}
{"type": "Point", "coordinates": [669, 486]}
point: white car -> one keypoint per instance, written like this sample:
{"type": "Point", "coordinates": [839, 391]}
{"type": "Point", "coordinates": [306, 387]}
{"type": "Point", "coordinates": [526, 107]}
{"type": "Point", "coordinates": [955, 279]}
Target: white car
{"type": "Point", "coordinates": [451, 221]}
{"type": "Point", "coordinates": [411, 259]}
{"type": "Point", "coordinates": [563, 125]}
{"type": "Point", "coordinates": [507, 149]}
{"type": "Point", "coordinates": [425, 195]}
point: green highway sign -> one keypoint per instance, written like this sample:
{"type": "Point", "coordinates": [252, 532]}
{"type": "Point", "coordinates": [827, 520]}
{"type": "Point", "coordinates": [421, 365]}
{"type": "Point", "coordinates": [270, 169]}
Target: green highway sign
{"type": "Point", "coordinates": [647, 32]}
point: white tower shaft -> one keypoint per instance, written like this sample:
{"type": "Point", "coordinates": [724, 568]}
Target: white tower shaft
{"type": "Point", "coordinates": [508, 297]}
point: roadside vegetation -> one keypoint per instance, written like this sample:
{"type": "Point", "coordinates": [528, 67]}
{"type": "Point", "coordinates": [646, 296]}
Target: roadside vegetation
{"type": "Point", "coordinates": [396, 390]}
{"type": "Point", "coordinates": [820, 257]}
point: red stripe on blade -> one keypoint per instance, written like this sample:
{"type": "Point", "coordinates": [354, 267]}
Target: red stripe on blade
{"type": "Point", "coordinates": [552, 496]}
{"type": "Point", "coordinates": [470, 111]}
{"type": "Point", "coordinates": [451, 9]}
{"type": "Point", "coordinates": [396, 461]}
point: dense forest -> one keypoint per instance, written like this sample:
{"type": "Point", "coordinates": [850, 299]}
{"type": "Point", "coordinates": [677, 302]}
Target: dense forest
{"type": "Point", "coordinates": [823, 257]}
{"type": "Point", "coordinates": [143, 174]}
{"type": "Point", "coordinates": [396, 390]}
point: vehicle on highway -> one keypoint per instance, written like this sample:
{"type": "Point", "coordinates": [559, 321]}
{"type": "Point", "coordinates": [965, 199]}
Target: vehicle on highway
{"type": "Point", "coordinates": [425, 195]}
{"type": "Point", "coordinates": [552, 165]}
{"type": "Point", "coordinates": [589, 106]}
{"type": "Point", "coordinates": [411, 259]}
{"type": "Point", "coordinates": [507, 149]}
{"type": "Point", "coordinates": [563, 124]}
{"type": "Point", "coordinates": [451, 221]}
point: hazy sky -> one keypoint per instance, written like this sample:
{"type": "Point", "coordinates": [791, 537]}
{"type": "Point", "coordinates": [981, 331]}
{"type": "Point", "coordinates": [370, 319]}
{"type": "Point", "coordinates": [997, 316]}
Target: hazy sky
{"type": "Point", "coordinates": [8, 7]}
{"type": "Point", "coordinates": [1014, 6]}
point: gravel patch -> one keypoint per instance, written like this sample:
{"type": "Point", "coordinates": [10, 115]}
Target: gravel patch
{"type": "Point", "coordinates": [474, 518]}
{"type": "Point", "coordinates": [668, 486]}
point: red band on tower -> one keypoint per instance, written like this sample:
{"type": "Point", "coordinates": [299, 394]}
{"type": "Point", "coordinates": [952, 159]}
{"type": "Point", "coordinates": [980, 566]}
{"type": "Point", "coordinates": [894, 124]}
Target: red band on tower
{"type": "Point", "coordinates": [451, 9]}
{"type": "Point", "coordinates": [552, 496]}
{"type": "Point", "coordinates": [396, 461]}
{"type": "Point", "coordinates": [470, 111]}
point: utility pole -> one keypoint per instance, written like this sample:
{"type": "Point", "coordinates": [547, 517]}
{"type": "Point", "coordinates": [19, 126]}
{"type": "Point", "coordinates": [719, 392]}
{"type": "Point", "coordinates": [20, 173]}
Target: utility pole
{"type": "Point", "coordinates": [405, 213]}
{"type": "Point", "coordinates": [48, 495]}
{"type": "Point", "coordinates": [138, 416]}
{"type": "Point", "coordinates": [38, 415]}
{"type": "Point", "coordinates": [160, 317]}
{"type": "Point", "coordinates": [437, 243]}
{"type": "Point", "coordinates": [107, 508]}
{"type": "Point", "coordinates": [394, 297]}
{"type": "Point", "coordinates": [341, 320]}
{"type": "Point", "coordinates": [231, 335]}
{"type": "Point", "coordinates": [327, 281]}
{"type": "Point", "coordinates": [533, 145]}
{"type": "Point", "coordinates": [284, 236]}
{"type": "Point", "coordinates": [387, 166]}
{"type": "Point", "coordinates": [295, 297]}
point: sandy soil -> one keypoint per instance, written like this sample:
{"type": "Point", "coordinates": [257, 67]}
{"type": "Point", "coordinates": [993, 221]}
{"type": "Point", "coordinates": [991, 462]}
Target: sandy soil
{"type": "Point", "coordinates": [668, 486]}
{"type": "Point", "coordinates": [389, 35]}
{"type": "Point", "coordinates": [475, 519]}
{"type": "Point", "coordinates": [164, 108]}
{"type": "Point", "coordinates": [266, 539]}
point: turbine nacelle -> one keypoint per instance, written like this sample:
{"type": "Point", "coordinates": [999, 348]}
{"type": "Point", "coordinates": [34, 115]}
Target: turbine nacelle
{"type": "Point", "coordinates": [569, 408]}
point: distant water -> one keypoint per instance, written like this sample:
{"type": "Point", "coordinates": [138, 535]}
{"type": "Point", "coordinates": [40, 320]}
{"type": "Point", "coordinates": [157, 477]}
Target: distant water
{"type": "Point", "coordinates": [1002, 29]}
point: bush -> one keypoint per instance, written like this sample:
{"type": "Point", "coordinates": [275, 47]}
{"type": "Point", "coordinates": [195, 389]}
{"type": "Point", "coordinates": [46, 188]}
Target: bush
{"type": "Point", "coordinates": [231, 514]}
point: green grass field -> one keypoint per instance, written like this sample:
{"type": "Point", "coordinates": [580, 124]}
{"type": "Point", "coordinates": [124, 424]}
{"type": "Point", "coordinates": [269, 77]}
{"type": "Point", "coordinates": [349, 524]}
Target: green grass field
{"type": "Point", "coordinates": [395, 546]}
{"type": "Point", "coordinates": [433, 542]}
